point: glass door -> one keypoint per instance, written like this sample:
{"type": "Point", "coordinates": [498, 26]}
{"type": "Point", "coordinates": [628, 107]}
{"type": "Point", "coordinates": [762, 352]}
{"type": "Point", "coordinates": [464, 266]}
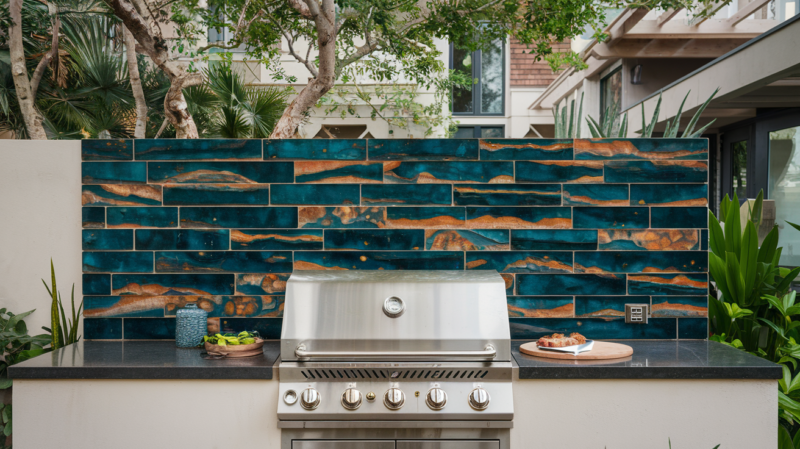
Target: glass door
{"type": "Point", "coordinates": [736, 163]}
{"type": "Point", "coordinates": [783, 186]}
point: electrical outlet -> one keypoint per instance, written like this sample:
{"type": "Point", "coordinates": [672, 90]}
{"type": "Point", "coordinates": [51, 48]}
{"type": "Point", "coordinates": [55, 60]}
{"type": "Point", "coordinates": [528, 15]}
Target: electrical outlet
{"type": "Point", "coordinates": [637, 313]}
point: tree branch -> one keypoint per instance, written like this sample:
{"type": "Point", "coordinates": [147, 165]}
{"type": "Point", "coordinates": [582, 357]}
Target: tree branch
{"type": "Point", "coordinates": [51, 55]}
{"type": "Point", "coordinates": [301, 8]}
{"type": "Point", "coordinates": [306, 62]}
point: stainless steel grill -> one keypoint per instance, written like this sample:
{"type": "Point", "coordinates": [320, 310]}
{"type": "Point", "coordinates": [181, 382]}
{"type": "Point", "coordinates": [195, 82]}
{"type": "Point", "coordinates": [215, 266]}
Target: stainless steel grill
{"type": "Point", "coordinates": [395, 357]}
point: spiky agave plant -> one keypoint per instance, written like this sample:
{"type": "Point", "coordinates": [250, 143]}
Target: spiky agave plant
{"type": "Point", "coordinates": [64, 331]}
{"type": "Point", "coordinates": [566, 124]}
{"type": "Point", "coordinates": [611, 125]}
{"type": "Point", "coordinates": [673, 126]}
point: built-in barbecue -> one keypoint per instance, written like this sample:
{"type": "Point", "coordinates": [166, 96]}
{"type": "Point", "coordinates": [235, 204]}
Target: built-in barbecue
{"type": "Point", "coordinates": [400, 359]}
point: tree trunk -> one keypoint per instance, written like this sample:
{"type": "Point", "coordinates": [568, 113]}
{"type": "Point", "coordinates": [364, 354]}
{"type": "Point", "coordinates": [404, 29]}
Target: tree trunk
{"type": "Point", "coordinates": [138, 22]}
{"type": "Point", "coordinates": [323, 82]}
{"type": "Point", "coordinates": [136, 85]}
{"type": "Point", "coordinates": [32, 117]}
{"type": "Point", "coordinates": [51, 57]}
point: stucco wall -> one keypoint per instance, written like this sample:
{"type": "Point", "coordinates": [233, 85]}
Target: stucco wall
{"type": "Point", "coordinates": [40, 189]}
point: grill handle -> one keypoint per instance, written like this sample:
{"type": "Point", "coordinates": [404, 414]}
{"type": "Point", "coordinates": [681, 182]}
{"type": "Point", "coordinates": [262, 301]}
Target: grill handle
{"type": "Point", "coordinates": [488, 353]}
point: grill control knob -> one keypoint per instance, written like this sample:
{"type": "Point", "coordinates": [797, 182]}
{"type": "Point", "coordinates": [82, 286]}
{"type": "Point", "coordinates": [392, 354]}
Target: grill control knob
{"type": "Point", "coordinates": [436, 398]}
{"type": "Point", "coordinates": [351, 399]}
{"type": "Point", "coordinates": [309, 400]}
{"type": "Point", "coordinates": [479, 399]}
{"type": "Point", "coordinates": [394, 399]}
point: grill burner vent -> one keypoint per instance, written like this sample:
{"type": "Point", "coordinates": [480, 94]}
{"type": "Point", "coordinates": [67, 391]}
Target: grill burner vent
{"type": "Point", "coordinates": [452, 374]}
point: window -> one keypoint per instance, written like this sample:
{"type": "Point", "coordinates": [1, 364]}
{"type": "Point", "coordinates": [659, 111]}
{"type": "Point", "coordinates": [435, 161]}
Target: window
{"type": "Point", "coordinates": [611, 93]}
{"type": "Point", "coordinates": [481, 132]}
{"type": "Point", "coordinates": [487, 68]}
{"type": "Point", "coordinates": [784, 187]}
{"type": "Point", "coordinates": [739, 166]}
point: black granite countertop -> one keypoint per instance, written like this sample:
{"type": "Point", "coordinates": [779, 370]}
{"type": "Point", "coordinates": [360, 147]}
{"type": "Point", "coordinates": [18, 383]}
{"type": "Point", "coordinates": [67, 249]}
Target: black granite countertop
{"type": "Point", "coordinates": [142, 360]}
{"type": "Point", "coordinates": [682, 359]}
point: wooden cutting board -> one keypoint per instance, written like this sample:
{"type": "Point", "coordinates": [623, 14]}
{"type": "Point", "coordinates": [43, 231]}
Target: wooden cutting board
{"type": "Point", "coordinates": [602, 350]}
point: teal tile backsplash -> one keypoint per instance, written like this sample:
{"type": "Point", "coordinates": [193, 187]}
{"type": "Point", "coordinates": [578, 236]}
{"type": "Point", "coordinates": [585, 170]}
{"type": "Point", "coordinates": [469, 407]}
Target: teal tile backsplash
{"type": "Point", "coordinates": [577, 228]}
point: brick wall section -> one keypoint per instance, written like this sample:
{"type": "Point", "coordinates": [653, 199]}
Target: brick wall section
{"type": "Point", "coordinates": [576, 228]}
{"type": "Point", "coordinates": [526, 71]}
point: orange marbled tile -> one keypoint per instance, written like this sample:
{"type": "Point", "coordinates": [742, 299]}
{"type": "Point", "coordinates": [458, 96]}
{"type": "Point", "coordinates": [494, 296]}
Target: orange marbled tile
{"type": "Point", "coordinates": [649, 239]}
{"type": "Point", "coordinates": [335, 172]}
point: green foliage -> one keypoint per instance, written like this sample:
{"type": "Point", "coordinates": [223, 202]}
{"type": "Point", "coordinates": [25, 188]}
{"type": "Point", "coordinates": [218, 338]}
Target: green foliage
{"type": "Point", "coordinates": [611, 125]}
{"type": "Point", "coordinates": [17, 346]}
{"type": "Point", "coordinates": [568, 126]}
{"type": "Point", "coordinates": [64, 331]}
{"type": "Point", "coordinates": [756, 312]}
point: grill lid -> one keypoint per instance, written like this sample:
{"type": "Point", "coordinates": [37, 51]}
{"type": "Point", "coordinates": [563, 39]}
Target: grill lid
{"type": "Point", "coordinates": [395, 316]}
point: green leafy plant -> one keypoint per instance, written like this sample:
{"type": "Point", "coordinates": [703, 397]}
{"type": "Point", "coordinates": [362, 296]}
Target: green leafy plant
{"type": "Point", "coordinates": [611, 125]}
{"type": "Point", "coordinates": [568, 126]}
{"type": "Point", "coordinates": [673, 126]}
{"type": "Point", "coordinates": [64, 331]}
{"type": "Point", "coordinates": [17, 346]}
{"type": "Point", "coordinates": [756, 311]}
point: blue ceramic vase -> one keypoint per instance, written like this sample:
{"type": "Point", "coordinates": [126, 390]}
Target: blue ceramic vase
{"type": "Point", "coordinates": [190, 326]}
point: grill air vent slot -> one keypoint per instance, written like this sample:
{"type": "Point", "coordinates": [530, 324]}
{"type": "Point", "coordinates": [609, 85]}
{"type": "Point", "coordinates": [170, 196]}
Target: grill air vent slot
{"type": "Point", "coordinates": [320, 374]}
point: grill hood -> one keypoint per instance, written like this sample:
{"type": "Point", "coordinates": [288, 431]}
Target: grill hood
{"type": "Point", "coordinates": [445, 316]}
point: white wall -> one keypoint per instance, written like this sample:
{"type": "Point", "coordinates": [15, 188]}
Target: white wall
{"type": "Point", "coordinates": [40, 193]}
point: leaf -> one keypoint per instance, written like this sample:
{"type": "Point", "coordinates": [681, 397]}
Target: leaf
{"type": "Point", "coordinates": [784, 439]}
{"type": "Point", "coordinates": [768, 246]}
{"type": "Point", "coordinates": [5, 384]}
{"type": "Point", "coordinates": [756, 211]}
{"type": "Point", "coordinates": [749, 257]}
{"type": "Point", "coordinates": [716, 267]}
{"type": "Point", "coordinates": [594, 128]}
{"type": "Point", "coordinates": [577, 134]}
{"type": "Point", "coordinates": [690, 127]}
{"type": "Point", "coordinates": [787, 280]}
{"type": "Point", "coordinates": [716, 240]}
{"type": "Point", "coordinates": [774, 327]}
{"type": "Point", "coordinates": [734, 279]}
{"type": "Point", "coordinates": [733, 228]}
{"type": "Point", "coordinates": [796, 440]}
{"type": "Point", "coordinates": [796, 226]}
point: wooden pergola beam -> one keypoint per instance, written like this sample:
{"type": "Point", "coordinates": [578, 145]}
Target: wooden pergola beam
{"type": "Point", "coordinates": [667, 15]}
{"type": "Point", "coordinates": [710, 29]}
{"type": "Point", "coordinates": [745, 12]}
{"type": "Point", "coordinates": [625, 24]}
{"type": "Point", "coordinates": [673, 48]}
{"type": "Point", "coordinates": [708, 12]}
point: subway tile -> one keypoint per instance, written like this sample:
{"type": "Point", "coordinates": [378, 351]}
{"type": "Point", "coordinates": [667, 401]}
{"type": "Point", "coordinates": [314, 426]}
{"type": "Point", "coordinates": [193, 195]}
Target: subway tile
{"type": "Point", "coordinates": [316, 194]}
{"type": "Point", "coordinates": [668, 284]}
{"type": "Point", "coordinates": [605, 306]}
{"type": "Point", "coordinates": [223, 261]}
{"type": "Point", "coordinates": [379, 260]}
{"type": "Point", "coordinates": [120, 195]}
{"type": "Point", "coordinates": [342, 217]}
{"type": "Point", "coordinates": [107, 150]}
{"type": "Point", "coordinates": [641, 262]}
{"type": "Point", "coordinates": [596, 194]}
{"type": "Point", "coordinates": [261, 284]}
{"type": "Point", "coordinates": [290, 239]}
{"type": "Point", "coordinates": [680, 307]}
{"type": "Point", "coordinates": [165, 172]}
{"type": "Point", "coordinates": [406, 194]}
{"type": "Point", "coordinates": [216, 194]}
{"type": "Point", "coordinates": [508, 278]}
{"type": "Point", "coordinates": [466, 239]}
{"type": "Point", "coordinates": [337, 172]}
{"type": "Point", "coordinates": [93, 217]}
{"type": "Point", "coordinates": [507, 195]}
{"type": "Point", "coordinates": [117, 262]}
{"type": "Point", "coordinates": [125, 306]}
{"type": "Point", "coordinates": [600, 329]}
{"type": "Point", "coordinates": [610, 217]}
{"type": "Point", "coordinates": [570, 284]}
{"type": "Point", "coordinates": [184, 239]}
{"type": "Point", "coordinates": [114, 172]}
{"type": "Point", "coordinates": [316, 149]}
{"type": "Point", "coordinates": [649, 149]}
{"type": "Point", "coordinates": [669, 194]}
{"type": "Point", "coordinates": [649, 239]}
{"type": "Point", "coordinates": [267, 328]}
{"type": "Point", "coordinates": [375, 239]}
{"type": "Point", "coordinates": [521, 261]}
{"type": "Point", "coordinates": [656, 171]}
{"type": "Point", "coordinates": [693, 328]}
{"type": "Point", "coordinates": [540, 307]}
{"type": "Point", "coordinates": [229, 306]}
{"type": "Point", "coordinates": [107, 239]}
{"type": "Point", "coordinates": [422, 149]}
{"type": "Point", "coordinates": [559, 240]}
{"type": "Point", "coordinates": [424, 217]}
{"type": "Point", "coordinates": [96, 284]}
{"type": "Point", "coordinates": [172, 284]}
{"type": "Point", "coordinates": [526, 149]}
{"type": "Point", "coordinates": [102, 328]}
{"type": "Point", "coordinates": [519, 217]}
{"type": "Point", "coordinates": [238, 217]}
{"type": "Point", "coordinates": [149, 328]}
{"type": "Point", "coordinates": [142, 217]}
{"type": "Point", "coordinates": [188, 149]}
{"type": "Point", "coordinates": [434, 172]}
{"type": "Point", "coordinates": [558, 171]}
{"type": "Point", "coordinates": [678, 217]}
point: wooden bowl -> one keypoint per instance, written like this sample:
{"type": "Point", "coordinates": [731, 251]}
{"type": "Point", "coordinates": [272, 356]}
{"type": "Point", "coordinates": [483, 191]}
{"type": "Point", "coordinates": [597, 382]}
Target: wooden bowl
{"type": "Point", "coordinates": [250, 350]}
